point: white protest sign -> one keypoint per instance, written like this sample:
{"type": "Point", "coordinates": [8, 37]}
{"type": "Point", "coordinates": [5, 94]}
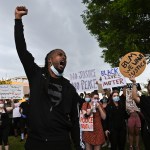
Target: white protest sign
{"type": "Point", "coordinates": [112, 78]}
{"type": "Point", "coordinates": [84, 80]}
{"type": "Point", "coordinates": [86, 124]}
{"type": "Point", "coordinates": [8, 91]}
{"type": "Point", "coordinates": [130, 104]}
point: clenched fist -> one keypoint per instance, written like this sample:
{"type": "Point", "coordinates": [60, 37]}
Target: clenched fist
{"type": "Point", "coordinates": [20, 11]}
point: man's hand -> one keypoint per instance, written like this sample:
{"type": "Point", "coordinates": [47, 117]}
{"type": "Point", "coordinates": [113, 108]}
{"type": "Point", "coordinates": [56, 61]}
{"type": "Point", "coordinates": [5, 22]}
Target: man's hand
{"type": "Point", "coordinates": [20, 11]}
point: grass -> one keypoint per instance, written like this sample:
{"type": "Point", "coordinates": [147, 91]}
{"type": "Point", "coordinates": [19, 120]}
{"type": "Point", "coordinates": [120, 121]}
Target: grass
{"type": "Point", "coordinates": [15, 144]}
{"type": "Point", "coordinates": [127, 146]}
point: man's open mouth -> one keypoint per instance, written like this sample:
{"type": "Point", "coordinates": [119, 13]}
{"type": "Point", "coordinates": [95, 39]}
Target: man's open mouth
{"type": "Point", "coordinates": [62, 63]}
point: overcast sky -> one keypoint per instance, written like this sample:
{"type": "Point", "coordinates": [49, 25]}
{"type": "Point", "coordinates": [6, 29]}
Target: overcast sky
{"type": "Point", "coordinates": [50, 24]}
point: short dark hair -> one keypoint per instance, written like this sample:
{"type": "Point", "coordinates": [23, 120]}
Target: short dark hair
{"type": "Point", "coordinates": [27, 95]}
{"type": "Point", "coordinates": [49, 55]}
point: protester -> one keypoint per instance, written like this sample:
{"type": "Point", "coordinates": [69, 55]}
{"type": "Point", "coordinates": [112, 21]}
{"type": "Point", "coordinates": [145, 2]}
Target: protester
{"type": "Point", "coordinates": [104, 102]}
{"type": "Point", "coordinates": [133, 122]}
{"type": "Point", "coordinates": [134, 126]}
{"type": "Point", "coordinates": [96, 137]}
{"type": "Point", "coordinates": [24, 111]}
{"type": "Point", "coordinates": [144, 104]}
{"type": "Point", "coordinates": [4, 123]}
{"type": "Point", "coordinates": [81, 100]}
{"type": "Point", "coordinates": [115, 123]}
{"type": "Point", "coordinates": [87, 97]}
{"type": "Point", "coordinates": [16, 117]}
{"type": "Point", "coordinates": [53, 112]}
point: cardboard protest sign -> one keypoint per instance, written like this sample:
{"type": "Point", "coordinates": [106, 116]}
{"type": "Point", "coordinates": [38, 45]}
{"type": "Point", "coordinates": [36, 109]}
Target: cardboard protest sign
{"type": "Point", "coordinates": [86, 124]}
{"type": "Point", "coordinates": [130, 104]}
{"type": "Point", "coordinates": [112, 78]}
{"type": "Point", "coordinates": [84, 80]}
{"type": "Point", "coordinates": [132, 64]}
{"type": "Point", "coordinates": [8, 91]}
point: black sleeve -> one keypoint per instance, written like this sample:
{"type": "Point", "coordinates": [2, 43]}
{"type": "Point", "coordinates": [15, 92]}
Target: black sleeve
{"type": "Point", "coordinates": [106, 121]}
{"type": "Point", "coordinates": [25, 57]}
{"type": "Point", "coordinates": [21, 105]}
{"type": "Point", "coordinates": [81, 101]}
{"type": "Point", "coordinates": [75, 131]}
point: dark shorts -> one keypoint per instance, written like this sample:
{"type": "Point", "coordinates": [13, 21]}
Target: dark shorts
{"type": "Point", "coordinates": [16, 122]}
{"type": "Point", "coordinates": [23, 123]}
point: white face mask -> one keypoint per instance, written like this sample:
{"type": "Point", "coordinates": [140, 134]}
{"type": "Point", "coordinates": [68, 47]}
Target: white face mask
{"type": "Point", "coordinates": [87, 99]}
{"type": "Point", "coordinates": [1, 105]}
{"type": "Point", "coordinates": [26, 98]}
{"type": "Point", "coordinates": [55, 71]}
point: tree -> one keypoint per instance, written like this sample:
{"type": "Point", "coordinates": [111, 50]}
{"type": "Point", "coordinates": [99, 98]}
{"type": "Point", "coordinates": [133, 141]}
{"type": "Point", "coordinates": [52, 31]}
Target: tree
{"type": "Point", "coordinates": [120, 26]}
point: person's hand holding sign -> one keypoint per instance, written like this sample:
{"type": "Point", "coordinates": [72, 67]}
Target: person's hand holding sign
{"type": "Point", "coordinates": [132, 79]}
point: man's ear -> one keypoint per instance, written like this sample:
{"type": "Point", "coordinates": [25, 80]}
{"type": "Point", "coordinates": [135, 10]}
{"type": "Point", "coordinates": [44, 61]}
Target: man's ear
{"type": "Point", "coordinates": [49, 61]}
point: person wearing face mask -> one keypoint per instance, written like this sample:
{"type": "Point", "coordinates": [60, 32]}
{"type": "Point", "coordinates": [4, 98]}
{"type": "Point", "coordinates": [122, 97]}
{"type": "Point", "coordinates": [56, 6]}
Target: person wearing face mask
{"type": "Point", "coordinates": [104, 102]}
{"type": "Point", "coordinates": [53, 114]}
{"type": "Point", "coordinates": [87, 97]}
{"type": "Point", "coordinates": [5, 123]}
{"type": "Point", "coordinates": [96, 137]}
{"type": "Point", "coordinates": [115, 123]}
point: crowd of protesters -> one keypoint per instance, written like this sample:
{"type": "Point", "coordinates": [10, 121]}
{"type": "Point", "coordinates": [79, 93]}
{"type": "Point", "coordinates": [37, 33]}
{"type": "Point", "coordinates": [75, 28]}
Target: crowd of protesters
{"type": "Point", "coordinates": [122, 126]}
{"type": "Point", "coordinates": [115, 126]}
{"type": "Point", "coordinates": [52, 113]}
{"type": "Point", "coordinates": [13, 120]}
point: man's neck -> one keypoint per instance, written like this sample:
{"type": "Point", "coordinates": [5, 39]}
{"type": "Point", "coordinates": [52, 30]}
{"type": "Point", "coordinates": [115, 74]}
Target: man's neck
{"type": "Point", "coordinates": [53, 75]}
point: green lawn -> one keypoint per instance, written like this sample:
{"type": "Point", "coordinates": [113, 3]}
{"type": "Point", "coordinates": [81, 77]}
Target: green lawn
{"type": "Point", "coordinates": [15, 144]}
{"type": "Point", "coordinates": [127, 146]}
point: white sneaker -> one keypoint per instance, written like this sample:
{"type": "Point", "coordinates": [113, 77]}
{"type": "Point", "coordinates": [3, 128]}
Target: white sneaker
{"type": "Point", "coordinates": [109, 145]}
{"type": "Point", "coordinates": [104, 145]}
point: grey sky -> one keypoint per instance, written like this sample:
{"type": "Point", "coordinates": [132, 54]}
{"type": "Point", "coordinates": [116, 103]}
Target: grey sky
{"type": "Point", "coordinates": [49, 24]}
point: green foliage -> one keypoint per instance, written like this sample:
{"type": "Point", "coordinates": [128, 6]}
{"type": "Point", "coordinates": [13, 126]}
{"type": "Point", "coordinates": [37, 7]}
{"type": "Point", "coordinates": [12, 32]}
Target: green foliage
{"type": "Point", "coordinates": [120, 26]}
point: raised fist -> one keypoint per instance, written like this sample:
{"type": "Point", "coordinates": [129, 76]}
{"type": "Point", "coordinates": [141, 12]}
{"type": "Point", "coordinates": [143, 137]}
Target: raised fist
{"type": "Point", "coordinates": [20, 11]}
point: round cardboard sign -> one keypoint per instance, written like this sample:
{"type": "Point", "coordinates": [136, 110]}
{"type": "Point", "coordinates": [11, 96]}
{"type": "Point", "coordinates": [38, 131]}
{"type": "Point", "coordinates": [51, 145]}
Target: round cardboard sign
{"type": "Point", "coordinates": [132, 64]}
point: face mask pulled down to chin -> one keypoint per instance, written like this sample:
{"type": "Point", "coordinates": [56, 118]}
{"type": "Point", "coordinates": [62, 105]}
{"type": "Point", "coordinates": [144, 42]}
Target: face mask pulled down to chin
{"type": "Point", "coordinates": [55, 71]}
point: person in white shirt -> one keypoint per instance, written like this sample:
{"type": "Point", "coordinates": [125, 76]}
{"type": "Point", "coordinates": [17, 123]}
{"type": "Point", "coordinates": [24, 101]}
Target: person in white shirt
{"type": "Point", "coordinates": [16, 117]}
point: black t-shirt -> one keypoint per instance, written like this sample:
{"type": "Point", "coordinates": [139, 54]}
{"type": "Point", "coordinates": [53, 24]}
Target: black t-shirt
{"type": "Point", "coordinates": [25, 107]}
{"type": "Point", "coordinates": [54, 91]}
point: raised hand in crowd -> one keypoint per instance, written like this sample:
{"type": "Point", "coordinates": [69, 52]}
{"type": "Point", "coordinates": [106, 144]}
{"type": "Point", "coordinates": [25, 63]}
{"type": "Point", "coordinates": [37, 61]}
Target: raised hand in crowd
{"type": "Point", "coordinates": [20, 11]}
